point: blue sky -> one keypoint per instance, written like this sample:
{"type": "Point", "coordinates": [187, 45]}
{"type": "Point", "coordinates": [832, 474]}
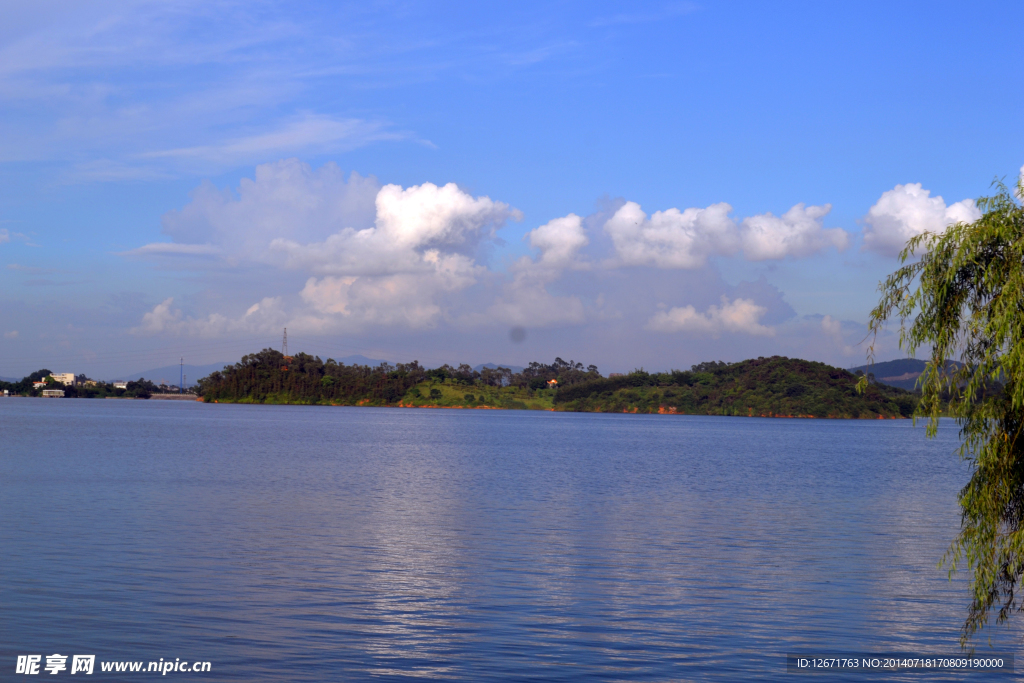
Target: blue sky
{"type": "Point", "coordinates": [130, 132]}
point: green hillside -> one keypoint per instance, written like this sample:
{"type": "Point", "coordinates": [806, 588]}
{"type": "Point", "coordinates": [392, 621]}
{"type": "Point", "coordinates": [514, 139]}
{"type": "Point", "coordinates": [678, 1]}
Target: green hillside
{"type": "Point", "coordinates": [771, 387]}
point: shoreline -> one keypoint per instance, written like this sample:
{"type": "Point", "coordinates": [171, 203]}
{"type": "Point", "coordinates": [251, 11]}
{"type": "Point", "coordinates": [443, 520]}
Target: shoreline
{"type": "Point", "coordinates": [662, 410]}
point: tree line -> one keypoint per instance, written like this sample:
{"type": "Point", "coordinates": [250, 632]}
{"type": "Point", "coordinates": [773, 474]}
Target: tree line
{"type": "Point", "coordinates": [84, 387]}
{"type": "Point", "coordinates": [269, 376]}
{"type": "Point", "coordinates": [766, 386]}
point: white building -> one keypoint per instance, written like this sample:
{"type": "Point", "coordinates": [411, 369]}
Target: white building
{"type": "Point", "coordinates": [65, 378]}
{"type": "Point", "coordinates": [53, 393]}
{"type": "Point", "coordinates": [120, 385]}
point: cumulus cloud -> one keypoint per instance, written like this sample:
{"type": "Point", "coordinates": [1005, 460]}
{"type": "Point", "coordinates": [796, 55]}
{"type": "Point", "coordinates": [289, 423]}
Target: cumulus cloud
{"type": "Point", "coordinates": [909, 210]}
{"type": "Point", "coordinates": [686, 239]}
{"type": "Point", "coordinates": [286, 200]}
{"type": "Point", "coordinates": [672, 238]}
{"type": "Point", "coordinates": [376, 255]}
{"type": "Point", "coordinates": [396, 299]}
{"type": "Point", "coordinates": [525, 300]}
{"type": "Point", "coordinates": [408, 299]}
{"type": "Point", "coordinates": [396, 271]}
{"type": "Point", "coordinates": [385, 255]}
{"type": "Point", "coordinates": [163, 319]}
{"type": "Point", "coordinates": [798, 233]}
{"type": "Point", "coordinates": [410, 223]}
{"type": "Point", "coordinates": [741, 316]}
{"type": "Point", "coordinates": [318, 220]}
{"type": "Point", "coordinates": [559, 241]}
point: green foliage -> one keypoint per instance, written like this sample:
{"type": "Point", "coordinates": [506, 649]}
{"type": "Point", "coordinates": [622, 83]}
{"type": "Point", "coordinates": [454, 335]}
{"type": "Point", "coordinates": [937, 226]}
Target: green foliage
{"type": "Point", "coordinates": [568, 373]}
{"type": "Point", "coordinates": [37, 376]}
{"type": "Point", "coordinates": [965, 297]}
{"type": "Point", "coordinates": [265, 377]}
{"type": "Point", "coordinates": [765, 386]}
{"type": "Point", "coordinates": [776, 387]}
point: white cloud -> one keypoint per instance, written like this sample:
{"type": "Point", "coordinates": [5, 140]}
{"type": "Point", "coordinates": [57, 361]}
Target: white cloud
{"type": "Point", "coordinates": [5, 236]}
{"type": "Point", "coordinates": [409, 299]}
{"type": "Point", "coordinates": [672, 238]}
{"type": "Point", "coordinates": [13, 334]}
{"type": "Point", "coordinates": [686, 239]}
{"type": "Point", "coordinates": [526, 300]}
{"type": "Point", "coordinates": [317, 220]}
{"type": "Point", "coordinates": [373, 255]}
{"type": "Point", "coordinates": [741, 316]}
{"type": "Point", "coordinates": [377, 255]}
{"type": "Point", "coordinates": [427, 215]}
{"type": "Point", "coordinates": [411, 224]}
{"type": "Point", "coordinates": [263, 317]}
{"type": "Point", "coordinates": [391, 300]}
{"type": "Point", "coordinates": [909, 210]}
{"type": "Point", "coordinates": [286, 199]}
{"type": "Point", "coordinates": [798, 233]}
{"type": "Point", "coordinates": [559, 241]}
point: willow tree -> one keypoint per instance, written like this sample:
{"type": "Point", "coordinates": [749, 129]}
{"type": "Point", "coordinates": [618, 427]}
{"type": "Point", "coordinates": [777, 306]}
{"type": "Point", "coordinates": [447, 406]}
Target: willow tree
{"type": "Point", "coordinates": [961, 294]}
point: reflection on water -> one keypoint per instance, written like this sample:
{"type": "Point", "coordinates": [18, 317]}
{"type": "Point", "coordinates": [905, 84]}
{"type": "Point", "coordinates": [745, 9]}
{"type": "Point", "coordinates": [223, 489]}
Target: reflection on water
{"type": "Point", "coordinates": [301, 543]}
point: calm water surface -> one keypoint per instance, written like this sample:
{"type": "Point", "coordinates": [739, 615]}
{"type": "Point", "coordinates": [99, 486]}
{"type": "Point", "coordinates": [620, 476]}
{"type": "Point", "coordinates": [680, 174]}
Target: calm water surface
{"type": "Point", "coordinates": [318, 544]}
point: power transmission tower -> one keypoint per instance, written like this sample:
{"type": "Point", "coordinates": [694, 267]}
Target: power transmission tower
{"type": "Point", "coordinates": [181, 381]}
{"type": "Point", "coordinates": [284, 343]}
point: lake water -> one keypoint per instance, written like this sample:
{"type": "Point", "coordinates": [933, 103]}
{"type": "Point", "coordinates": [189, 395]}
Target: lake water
{"type": "Point", "coordinates": [288, 543]}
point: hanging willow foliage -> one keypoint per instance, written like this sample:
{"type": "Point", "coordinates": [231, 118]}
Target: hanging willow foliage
{"type": "Point", "coordinates": [964, 297]}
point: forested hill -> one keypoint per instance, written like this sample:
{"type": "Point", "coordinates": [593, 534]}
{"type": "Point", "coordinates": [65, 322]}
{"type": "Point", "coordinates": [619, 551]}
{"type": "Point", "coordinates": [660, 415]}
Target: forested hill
{"type": "Point", "coordinates": [772, 387]}
{"type": "Point", "coordinates": [777, 387]}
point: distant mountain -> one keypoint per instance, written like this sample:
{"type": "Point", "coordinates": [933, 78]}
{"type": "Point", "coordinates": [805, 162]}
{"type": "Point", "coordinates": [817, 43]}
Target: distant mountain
{"type": "Point", "coordinates": [172, 373]}
{"type": "Point", "coordinates": [902, 373]}
{"type": "Point", "coordinates": [494, 366]}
